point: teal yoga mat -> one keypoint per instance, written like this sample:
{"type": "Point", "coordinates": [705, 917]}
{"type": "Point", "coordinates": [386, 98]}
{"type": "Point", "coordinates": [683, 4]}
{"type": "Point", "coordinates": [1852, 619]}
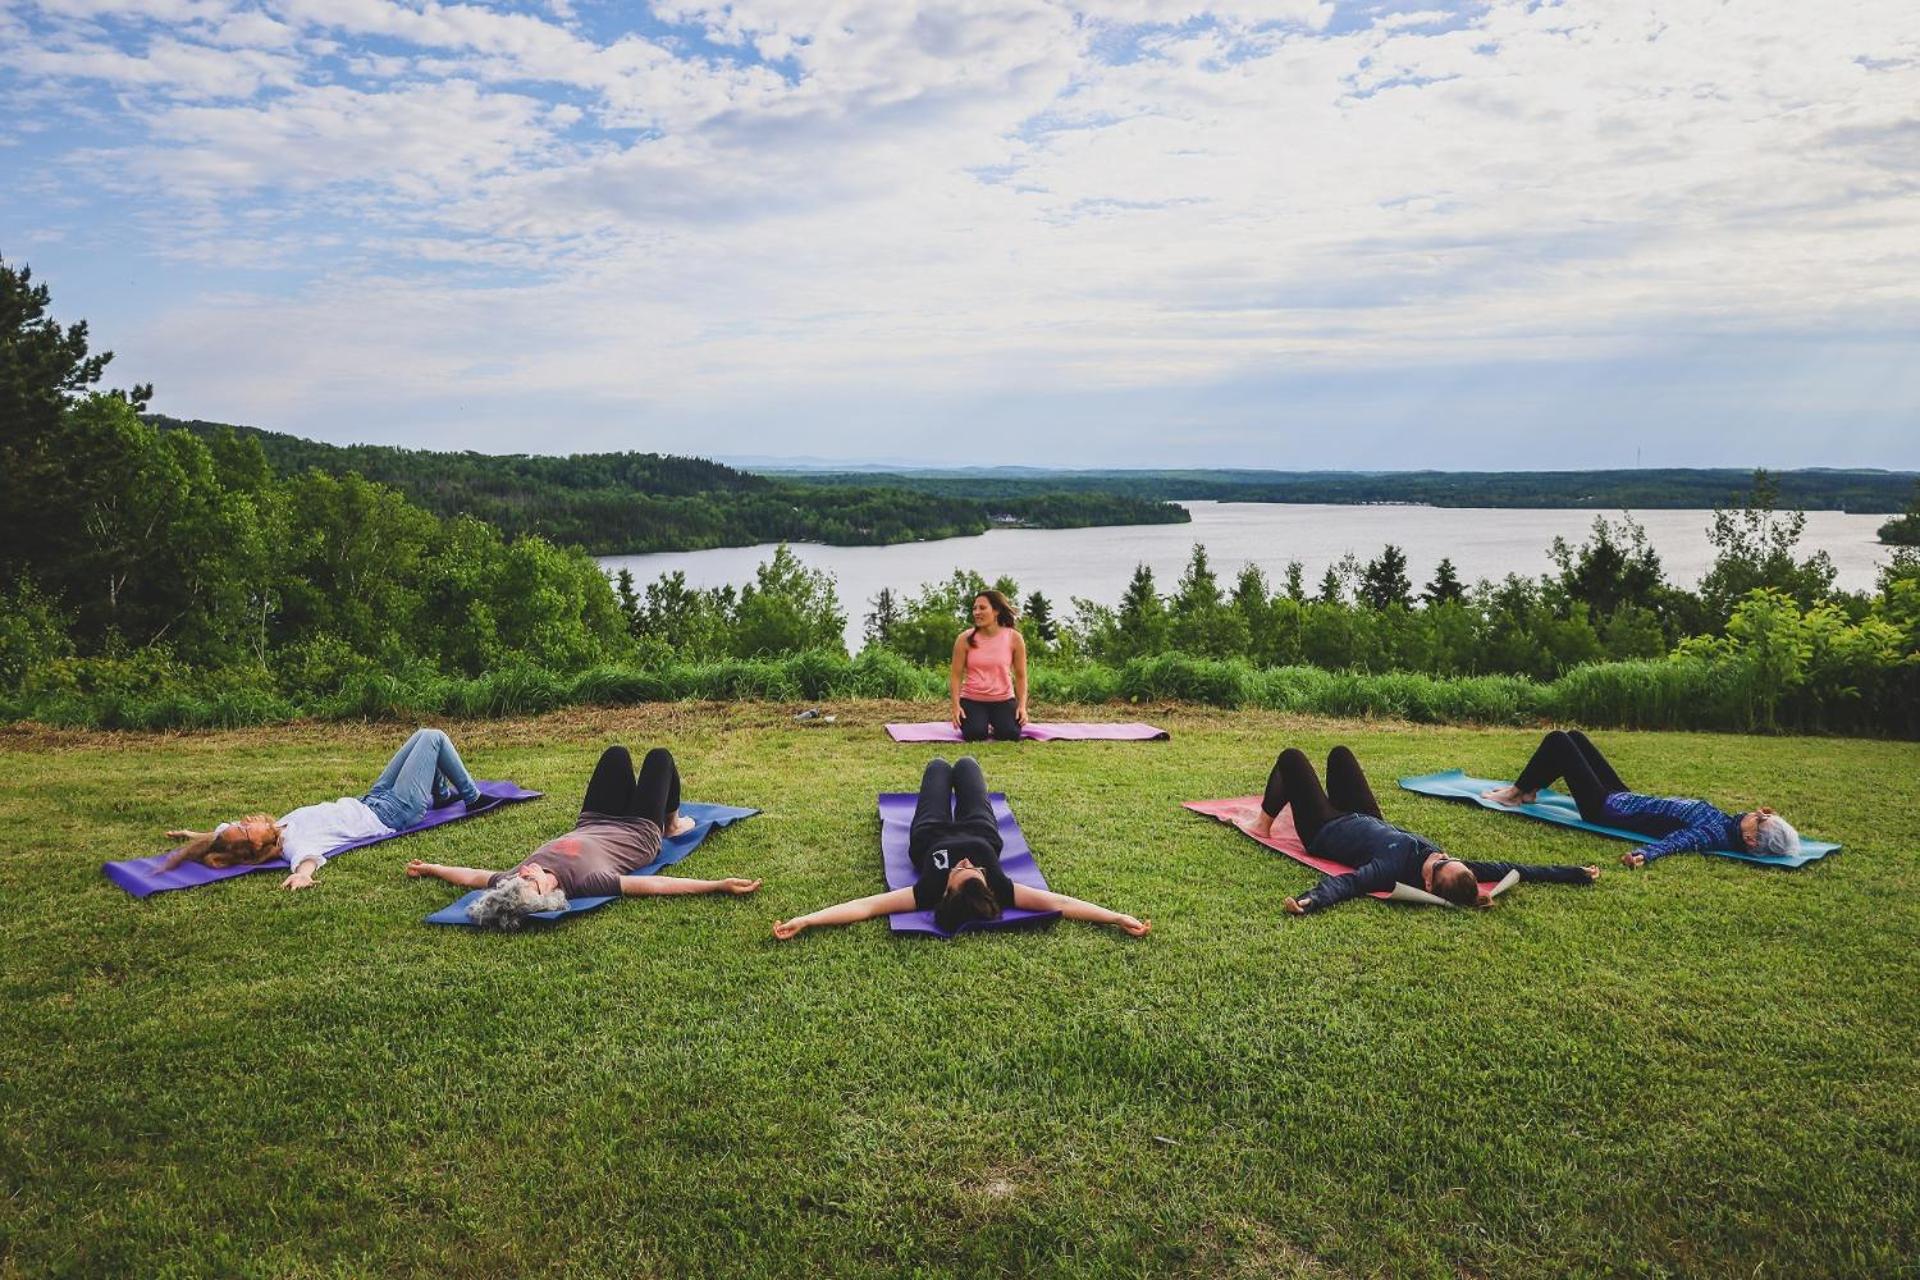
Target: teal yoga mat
{"type": "Point", "coordinates": [707, 818]}
{"type": "Point", "coordinates": [1453, 784]}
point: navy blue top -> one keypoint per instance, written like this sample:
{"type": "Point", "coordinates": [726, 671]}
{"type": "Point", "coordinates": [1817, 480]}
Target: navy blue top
{"type": "Point", "coordinates": [1679, 825]}
{"type": "Point", "coordinates": [1381, 854]}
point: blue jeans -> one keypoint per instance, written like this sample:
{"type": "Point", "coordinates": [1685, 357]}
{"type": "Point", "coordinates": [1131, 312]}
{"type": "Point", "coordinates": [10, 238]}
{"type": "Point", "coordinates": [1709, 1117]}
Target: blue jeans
{"type": "Point", "coordinates": [424, 771]}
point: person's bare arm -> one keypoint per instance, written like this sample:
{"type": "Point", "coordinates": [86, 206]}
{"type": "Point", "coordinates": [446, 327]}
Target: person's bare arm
{"type": "Point", "coordinates": [1027, 898]}
{"type": "Point", "coordinates": [956, 673]}
{"type": "Point", "coordinates": [1019, 678]}
{"type": "Point", "coordinates": [465, 877]}
{"type": "Point", "coordinates": [880, 904]}
{"type": "Point", "coordinates": [664, 886]}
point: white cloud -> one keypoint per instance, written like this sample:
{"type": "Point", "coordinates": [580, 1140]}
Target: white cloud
{"type": "Point", "coordinates": [925, 200]}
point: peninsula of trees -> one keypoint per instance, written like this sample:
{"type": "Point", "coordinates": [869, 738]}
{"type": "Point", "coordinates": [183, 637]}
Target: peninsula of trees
{"type": "Point", "coordinates": [1817, 489]}
{"type": "Point", "coordinates": [632, 503]}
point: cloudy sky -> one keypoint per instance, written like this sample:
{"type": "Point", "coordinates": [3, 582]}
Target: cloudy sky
{"type": "Point", "coordinates": [1284, 233]}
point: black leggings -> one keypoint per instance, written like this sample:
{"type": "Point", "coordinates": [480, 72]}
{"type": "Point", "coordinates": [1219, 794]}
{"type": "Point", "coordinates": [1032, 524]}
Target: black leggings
{"type": "Point", "coordinates": [951, 796]}
{"type": "Point", "coordinates": [1573, 757]}
{"type": "Point", "coordinates": [976, 718]}
{"type": "Point", "coordinates": [654, 795]}
{"type": "Point", "coordinates": [1293, 782]}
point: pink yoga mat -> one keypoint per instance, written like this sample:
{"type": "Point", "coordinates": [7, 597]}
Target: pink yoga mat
{"type": "Point", "coordinates": [1284, 838]}
{"type": "Point", "coordinates": [941, 731]}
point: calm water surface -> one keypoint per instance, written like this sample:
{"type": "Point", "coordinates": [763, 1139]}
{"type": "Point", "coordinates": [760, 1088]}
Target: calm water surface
{"type": "Point", "coordinates": [1096, 563]}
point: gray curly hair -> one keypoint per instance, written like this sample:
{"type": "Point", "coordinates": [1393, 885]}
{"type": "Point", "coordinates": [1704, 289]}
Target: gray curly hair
{"type": "Point", "coordinates": [508, 904]}
{"type": "Point", "coordinates": [1776, 837]}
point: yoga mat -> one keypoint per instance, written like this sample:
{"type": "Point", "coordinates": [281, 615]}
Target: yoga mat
{"type": "Point", "coordinates": [1016, 859]}
{"type": "Point", "coordinates": [143, 876]}
{"type": "Point", "coordinates": [1553, 807]}
{"type": "Point", "coordinates": [707, 818]}
{"type": "Point", "coordinates": [1286, 840]}
{"type": "Point", "coordinates": [941, 731]}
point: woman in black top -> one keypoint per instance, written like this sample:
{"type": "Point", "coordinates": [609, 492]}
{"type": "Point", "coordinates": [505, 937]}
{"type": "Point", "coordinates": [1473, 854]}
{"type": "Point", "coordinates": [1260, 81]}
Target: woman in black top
{"type": "Point", "coordinates": [1343, 824]}
{"type": "Point", "coordinates": [955, 847]}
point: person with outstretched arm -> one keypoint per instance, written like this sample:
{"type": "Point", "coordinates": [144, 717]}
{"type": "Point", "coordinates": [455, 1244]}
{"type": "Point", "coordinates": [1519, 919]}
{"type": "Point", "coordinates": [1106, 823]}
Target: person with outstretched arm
{"type": "Point", "coordinates": [955, 848]}
{"type": "Point", "coordinates": [1342, 823]}
{"type": "Point", "coordinates": [622, 822]}
{"type": "Point", "coordinates": [1674, 823]}
{"type": "Point", "coordinates": [424, 773]}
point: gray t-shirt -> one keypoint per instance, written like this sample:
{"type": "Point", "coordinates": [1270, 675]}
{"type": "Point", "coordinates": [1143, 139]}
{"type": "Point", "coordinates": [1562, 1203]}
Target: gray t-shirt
{"type": "Point", "coordinates": [589, 860]}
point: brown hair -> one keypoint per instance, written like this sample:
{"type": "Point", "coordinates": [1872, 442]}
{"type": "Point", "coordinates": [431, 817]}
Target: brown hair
{"type": "Point", "coordinates": [1002, 611]}
{"type": "Point", "coordinates": [971, 901]}
{"type": "Point", "coordinates": [234, 848]}
{"type": "Point", "coordinates": [1461, 890]}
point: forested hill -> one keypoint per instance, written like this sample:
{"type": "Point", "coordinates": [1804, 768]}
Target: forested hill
{"type": "Point", "coordinates": [615, 503]}
{"type": "Point", "coordinates": [1868, 491]}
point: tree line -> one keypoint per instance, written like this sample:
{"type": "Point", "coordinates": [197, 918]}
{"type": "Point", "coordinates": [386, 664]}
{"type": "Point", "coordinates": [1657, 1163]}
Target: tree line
{"type": "Point", "coordinates": [633, 503]}
{"type": "Point", "coordinates": [1654, 488]}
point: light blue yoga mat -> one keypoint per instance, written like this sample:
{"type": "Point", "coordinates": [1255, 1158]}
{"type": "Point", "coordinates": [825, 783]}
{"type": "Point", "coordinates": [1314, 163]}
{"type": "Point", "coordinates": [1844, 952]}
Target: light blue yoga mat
{"type": "Point", "coordinates": [707, 818]}
{"type": "Point", "coordinates": [1556, 808]}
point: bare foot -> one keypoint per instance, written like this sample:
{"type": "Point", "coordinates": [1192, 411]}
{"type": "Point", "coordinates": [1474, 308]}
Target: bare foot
{"type": "Point", "coordinates": [1633, 860]}
{"type": "Point", "coordinates": [1593, 872]}
{"type": "Point", "coordinates": [1509, 795]}
{"type": "Point", "coordinates": [1255, 823]}
{"type": "Point", "coordinates": [680, 825]}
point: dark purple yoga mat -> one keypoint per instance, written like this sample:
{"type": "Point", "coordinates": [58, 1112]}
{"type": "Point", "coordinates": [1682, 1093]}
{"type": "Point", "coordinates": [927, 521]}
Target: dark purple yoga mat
{"type": "Point", "coordinates": [1016, 859]}
{"type": "Point", "coordinates": [143, 876]}
{"type": "Point", "coordinates": [941, 731]}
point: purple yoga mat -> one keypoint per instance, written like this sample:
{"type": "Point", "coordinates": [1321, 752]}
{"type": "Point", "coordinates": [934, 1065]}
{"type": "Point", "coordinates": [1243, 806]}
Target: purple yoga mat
{"type": "Point", "coordinates": [143, 876]}
{"type": "Point", "coordinates": [941, 731]}
{"type": "Point", "coordinates": [1016, 859]}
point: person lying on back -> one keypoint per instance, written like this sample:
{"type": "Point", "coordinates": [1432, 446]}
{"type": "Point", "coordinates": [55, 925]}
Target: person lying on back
{"type": "Point", "coordinates": [955, 848]}
{"type": "Point", "coordinates": [1676, 824]}
{"type": "Point", "coordinates": [1347, 827]}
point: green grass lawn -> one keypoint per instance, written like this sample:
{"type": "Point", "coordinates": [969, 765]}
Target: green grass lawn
{"type": "Point", "coordinates": [1706, 1068]}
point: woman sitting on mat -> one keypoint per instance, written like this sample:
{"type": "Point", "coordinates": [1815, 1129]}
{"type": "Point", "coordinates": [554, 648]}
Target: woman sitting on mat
{"type": "Point", "coordinates": [1343, 824]}
{"type": "Point", "coordinates": [622, 821]}
{"type": "Point", "coordinates": [988, 681]}
{"type": "Point", "coordinates": [425, 773]}
{"type": "Point", "coordinates": [955, 847]}
{"type": "Point", "coordinates": [1678, 825]}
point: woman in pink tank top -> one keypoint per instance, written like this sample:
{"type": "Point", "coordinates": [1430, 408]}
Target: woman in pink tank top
{"type": "Point", "coordinates": [988, 682]}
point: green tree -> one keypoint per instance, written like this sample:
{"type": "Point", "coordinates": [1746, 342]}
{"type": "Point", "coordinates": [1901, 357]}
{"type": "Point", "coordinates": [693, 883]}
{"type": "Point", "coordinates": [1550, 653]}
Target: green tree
{"type": "Point", "coordinates": [1904, 530]}
{"type": "Point", "coordinates": [1140, 621]}
{"type": "Point", "coordinates": [881, 620]}
{"type": "Point", "coordinates": [1036, 621]}
{"type": "Point", "coordinates": [1200, 621]}
{"type": "Point", "coordinates": [1445, 587]}
{"type": "Point", "coordinates": [1384, 581]}
{"type": "Point", "coordinates": [1754, 548]}
{"type": "Point", "coordinates": [1296, 587]}
{"type": "Point", "coordinates": [789, 608]}
{"type": "Point", "coordinates": [1615, 567]}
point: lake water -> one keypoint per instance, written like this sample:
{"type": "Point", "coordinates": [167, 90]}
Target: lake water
{"type": "Point", "coordinates": [1096, 563]}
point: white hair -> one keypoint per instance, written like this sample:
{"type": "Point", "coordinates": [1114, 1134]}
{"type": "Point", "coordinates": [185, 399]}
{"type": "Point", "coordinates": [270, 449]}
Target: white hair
{"type": "Point", "coordinates": [508, 904]}
{"type": "Point", "coordinates": [1776, 837]}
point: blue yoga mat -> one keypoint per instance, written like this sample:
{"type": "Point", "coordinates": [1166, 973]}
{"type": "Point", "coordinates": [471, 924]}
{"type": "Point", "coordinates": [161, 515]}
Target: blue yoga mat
{"type": "Point", "coordinates": [1553, 807]}
{"type": "Point", "coordinates": [707, 818]}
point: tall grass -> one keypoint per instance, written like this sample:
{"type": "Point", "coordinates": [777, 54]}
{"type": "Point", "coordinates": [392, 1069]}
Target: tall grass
{"type": "Point", "coordinates": [1681, 692]}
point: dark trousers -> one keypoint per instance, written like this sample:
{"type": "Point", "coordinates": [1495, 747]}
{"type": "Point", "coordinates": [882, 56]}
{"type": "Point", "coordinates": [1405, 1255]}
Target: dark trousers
{"type": "Point", "coordinates": [654, 795]}
{"type": "Point", "coordinates": [953, 798]}
{"type": "Point", "coordinates": [1293, 782]}
{"type": "Point", "coordinates": [976, 718]}
{"type": "Point", "coordinates": [1573, 757]}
